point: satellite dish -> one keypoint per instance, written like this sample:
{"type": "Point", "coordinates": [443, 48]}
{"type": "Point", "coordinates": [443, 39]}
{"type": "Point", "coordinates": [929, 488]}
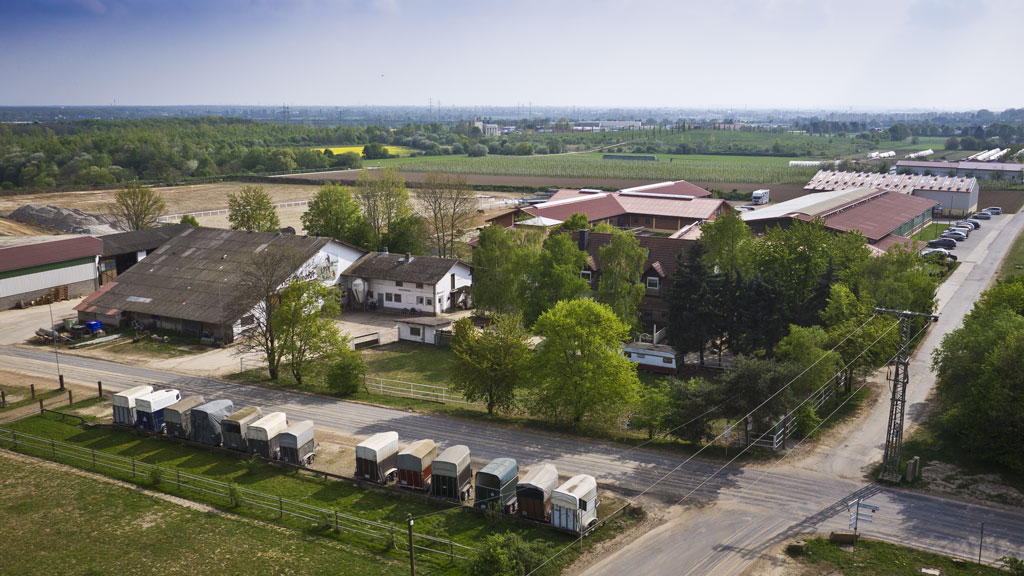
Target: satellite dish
{"type": "Point", "coordinates": [359, 289]}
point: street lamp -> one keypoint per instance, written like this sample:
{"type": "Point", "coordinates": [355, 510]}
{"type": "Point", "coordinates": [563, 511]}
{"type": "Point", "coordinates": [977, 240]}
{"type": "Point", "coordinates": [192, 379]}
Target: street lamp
{"type": "Point", "coordinates": [56, 355]}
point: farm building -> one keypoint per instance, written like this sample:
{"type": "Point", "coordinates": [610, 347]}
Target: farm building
{"type": "Point", "coordinates": [653, 357]}
{"type": "Point", "coordinates": [191, 284]}
{"type": "Point", "coordinates": [662, 260]}
{"type": "Point", "coordinates": [965, 169]}
{"type": "Point", "coordinates": [884, 218]}
{"type": "Point", "coordinates": [957, 196]}
{"type": "Point", "coordinates": [123, 250]}
{"type": "Point", "coordinates": [667, 207]}
{"type": "Point", "coordinates": [59, 268]}
{"type": "Point", "coordinates": [422, 329]}
{"type": "Point", "coordinates": [403, 283]}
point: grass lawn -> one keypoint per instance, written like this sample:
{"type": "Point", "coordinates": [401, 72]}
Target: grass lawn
{"type": "Point", "coordinates": [410, 362]}
{"type": "Point", "coordinates": [63, 523]}
{"type": "Point", "coordinates": [1013, 264]}
{"type": "Point", "coordinates": [931, 231]}
{"type": "Point", "coordinates": [388, 506]}
{"type": "Point", "coordinates": [873, 558]}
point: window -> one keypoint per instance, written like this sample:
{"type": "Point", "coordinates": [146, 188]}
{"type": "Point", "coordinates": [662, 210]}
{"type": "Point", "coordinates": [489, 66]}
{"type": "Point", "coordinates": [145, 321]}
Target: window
{"type": "Point", "coordinates": [419, 284]}
{"type": "Point", "coordinates": [627, 355]}
{"type": "Point", "coordinates": [585, 275]}
{"type": "Point", "coordinates": [583, 505]}
{"type": "Point", "coordinates": [653, 282]}
{"type": "Point", "coordinates": [398, 283]}
{"type": "Point", "coordinates": [647, 221]}
{"type": "Point", "coordinates": [388, 297]}
{"type": "Point", "coordinates": [414, 331]}
{"type": "Point", "coordinates": [248, 320]}
{"type": "Point", "coordinates": [429, 301]}
{"type": "Point", "coordinates": [398, 297]}
{"type": "Point", "coordinates": [667, 360]}
{"type": "Point", "coordinates": [638, 355]}
{"type": "Point", "coordinates": [419, 299]}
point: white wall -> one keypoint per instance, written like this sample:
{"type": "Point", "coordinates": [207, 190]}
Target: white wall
{"type": "Point", "coordinates": [48, 279]}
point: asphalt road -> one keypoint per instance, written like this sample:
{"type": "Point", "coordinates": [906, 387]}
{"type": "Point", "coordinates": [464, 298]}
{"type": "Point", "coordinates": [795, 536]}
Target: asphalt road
{"type": "Point", "coordinates": [750, 509]}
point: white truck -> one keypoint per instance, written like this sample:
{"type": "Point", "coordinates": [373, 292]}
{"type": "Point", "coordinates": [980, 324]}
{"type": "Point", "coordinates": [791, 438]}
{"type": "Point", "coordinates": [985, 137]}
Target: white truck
{"type": "Point", "coordinates": [759, 197]}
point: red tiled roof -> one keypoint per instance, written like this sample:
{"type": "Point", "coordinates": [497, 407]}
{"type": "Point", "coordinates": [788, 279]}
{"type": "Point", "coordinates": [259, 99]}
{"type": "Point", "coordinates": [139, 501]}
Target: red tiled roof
{"type": "Point", "coordinates": [596, 207]}
{"type": "Point", "coordinates": [878, 216]}
{"type": "Point", "coordinates": [662, 253]}
{"type": "Point", "coordinates": [28, 255]}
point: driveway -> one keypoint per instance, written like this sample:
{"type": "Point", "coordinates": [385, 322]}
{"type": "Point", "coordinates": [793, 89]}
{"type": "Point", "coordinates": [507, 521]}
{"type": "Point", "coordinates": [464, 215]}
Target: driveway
{"type": "Point", "coordinates": [17, 326]}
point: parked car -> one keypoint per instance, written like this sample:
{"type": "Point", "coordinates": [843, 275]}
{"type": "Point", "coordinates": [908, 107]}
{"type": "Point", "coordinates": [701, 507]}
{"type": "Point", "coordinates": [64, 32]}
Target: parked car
{"type": "Point", "coordinates": [939, 252]}
{"type": "Point", "coordinates": [942, 243]}
{"type": "Point", "coordinates": [976, 223]}
{"type": "Point", "coordinates": [981, 216]}
{"type": "Point", "coordinates": [966, 223]}
{"type": "Point", "coordinates": [966, 231]}
{"type": "Point", "coordinates": [995, 210]}
{"type": "Point", "coordinates": [958, 236]}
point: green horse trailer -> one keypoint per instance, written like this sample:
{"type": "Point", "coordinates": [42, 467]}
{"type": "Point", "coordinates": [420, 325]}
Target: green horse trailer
{"type": "Point", "coordinates": [496, 485]}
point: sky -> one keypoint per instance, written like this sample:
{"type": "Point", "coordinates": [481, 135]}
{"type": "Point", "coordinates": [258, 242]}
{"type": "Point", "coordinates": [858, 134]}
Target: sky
{"type": "Point", "coordinates": [719, 54]}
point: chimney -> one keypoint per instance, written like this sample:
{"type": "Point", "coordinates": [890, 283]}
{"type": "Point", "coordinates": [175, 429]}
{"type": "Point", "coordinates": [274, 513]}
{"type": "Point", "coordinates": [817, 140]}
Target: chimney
{"type": "Point", "coordinates": [582, 239]}
{"type": "Point", "coordinates": [385, 249]}
{"type": "Point", "coordinates": [408, 257]}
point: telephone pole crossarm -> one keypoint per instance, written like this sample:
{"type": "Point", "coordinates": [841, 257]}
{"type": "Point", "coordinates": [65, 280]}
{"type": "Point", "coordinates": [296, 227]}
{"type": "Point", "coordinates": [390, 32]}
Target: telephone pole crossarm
{"type": "Point", "coordinates": [892, 458]}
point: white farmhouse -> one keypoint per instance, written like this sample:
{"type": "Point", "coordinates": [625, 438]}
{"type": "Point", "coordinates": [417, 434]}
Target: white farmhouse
{"type": "Point", "coordinates": [403, 283]}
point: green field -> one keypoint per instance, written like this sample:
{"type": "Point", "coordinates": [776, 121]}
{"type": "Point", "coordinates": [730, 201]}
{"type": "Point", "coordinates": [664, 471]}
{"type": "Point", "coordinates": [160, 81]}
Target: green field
{"type": "Point", "coordinates": [387, 507]}
{"type": "Point", "coordinates": [63, 523]}
{"type": "Point", "coordinates": [1013, 264]}
{"type": "Point", "coordinates": [874, 558]}
{"type": "Point", "coordinates": [707, 168]}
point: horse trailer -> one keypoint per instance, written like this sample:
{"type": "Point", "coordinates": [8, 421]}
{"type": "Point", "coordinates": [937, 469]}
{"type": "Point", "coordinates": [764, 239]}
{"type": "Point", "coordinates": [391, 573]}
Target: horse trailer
{"type": "Point", "coordinates": [496, 485]}
{"type": "Point", "coordinates": [534, 492]}
{"type": "Point", "coordinates": [206, 421]}
{"type": "Point", "coordinates": [124, 404]}
{"type": "Point", "coordinates": [149, 409]}
{"type": "Point", "coordinates": [414, 464]}
{"type": "Point", "coordinates": [574, 504]}
{"type": "Point", "coordinates": [177, 415]}
{"type": "Point", "coordinates": [298, 443]}
{"type": "Point", "coordinates": [377, 457]}
{"type": "Point", "coordinates": [452, 476]}
{"type": "Point", "coordinates": [262, 435]}
{"type": "Point", "coordinates": [235, 426]}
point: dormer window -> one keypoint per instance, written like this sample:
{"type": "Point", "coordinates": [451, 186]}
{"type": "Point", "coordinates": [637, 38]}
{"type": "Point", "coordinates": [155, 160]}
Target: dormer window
{"type": "Point", "coordinates": [585, 275]}
{"type": "Point", "coordinates": [653, 282]}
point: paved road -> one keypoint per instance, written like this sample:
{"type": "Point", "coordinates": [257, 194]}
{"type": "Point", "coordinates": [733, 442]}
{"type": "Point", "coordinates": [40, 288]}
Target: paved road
{"type": "Point", "coordinates": [752, 508]}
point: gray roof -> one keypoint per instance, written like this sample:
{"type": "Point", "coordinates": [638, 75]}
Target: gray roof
{"type": "Point", "coordinates": [136, 240]}
{"type": "Point", "coordinates": [196, 275]}
{"type": "Point", "coordinates": [397, 267]}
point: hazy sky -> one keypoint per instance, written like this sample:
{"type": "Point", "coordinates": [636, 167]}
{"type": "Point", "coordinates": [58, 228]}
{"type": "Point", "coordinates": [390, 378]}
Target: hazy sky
{"type": "Point", "coordinates": [837, 54]}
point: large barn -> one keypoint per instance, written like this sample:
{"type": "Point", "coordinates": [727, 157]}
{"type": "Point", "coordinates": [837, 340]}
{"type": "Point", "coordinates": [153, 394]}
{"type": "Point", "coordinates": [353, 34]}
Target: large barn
{"type": "Point", "coordinates": [956, 195]}
{"type": "Point", "coordinates": [32, 270]}
{"type": "Point", "coordinates": [191, 283]}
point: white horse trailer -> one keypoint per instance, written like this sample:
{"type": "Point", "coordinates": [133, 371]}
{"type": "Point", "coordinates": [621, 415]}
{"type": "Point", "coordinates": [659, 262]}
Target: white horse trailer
{"type": "Point", "coordinates": [149, 409]}
{"type": "Point", "coordinates": [124, 404]}
{"type": "Point", "coordinates": [263, 434]}
{"type": "Point", "coordinates": [574, 504]}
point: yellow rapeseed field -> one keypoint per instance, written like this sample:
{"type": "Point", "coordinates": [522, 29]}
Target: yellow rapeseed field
{"type": "Point", "coordinates": [399, 150]}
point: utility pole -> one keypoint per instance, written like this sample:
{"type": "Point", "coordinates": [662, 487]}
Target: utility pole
{"type": "Point", "coordinates": [412, 557]}
{"type": "Point", "coordinates": [897, 408]}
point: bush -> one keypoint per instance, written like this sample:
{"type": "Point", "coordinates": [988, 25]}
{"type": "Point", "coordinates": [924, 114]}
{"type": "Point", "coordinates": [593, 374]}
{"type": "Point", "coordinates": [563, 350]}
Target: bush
{"type": "Point", "coordinates": [477, 151]}
{"type": "Point", "coordinates": [509, 555]}
{"type": "Point", "coordinates": [345, 375]}
{"type": "Point", "coordinates": [807, 421]}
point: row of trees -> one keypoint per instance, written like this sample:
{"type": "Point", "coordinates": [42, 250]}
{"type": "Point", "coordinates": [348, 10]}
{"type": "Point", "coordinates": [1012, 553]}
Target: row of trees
{"type": "Point", "coordinates": [979, 378]}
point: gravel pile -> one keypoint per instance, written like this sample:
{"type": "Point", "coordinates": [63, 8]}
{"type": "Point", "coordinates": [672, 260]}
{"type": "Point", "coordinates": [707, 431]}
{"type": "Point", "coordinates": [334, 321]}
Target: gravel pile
{"type": "Point", "coordinates": [68, 220]}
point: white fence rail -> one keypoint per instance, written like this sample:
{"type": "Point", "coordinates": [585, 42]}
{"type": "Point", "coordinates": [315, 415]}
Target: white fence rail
{"type": "Point", "coordinates": [429, 392]}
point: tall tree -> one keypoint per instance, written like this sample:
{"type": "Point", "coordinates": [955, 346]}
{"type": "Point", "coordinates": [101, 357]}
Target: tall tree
{"type": "Point", "coordinates": [621, 262]}
{"type": "Point", "coordinates": [136, 207]}
{"type": "Point", "coordinates": [728, 244]}
{"type": "Point", "coordinates": [407, 235]}
{"type": "Point", "coordinates": [501, 261]}
{"type": "Point", "coordinates": [490, 364]}
{"type": "Point", "coordinates": [580, 374]}
{"type": "Point", "coordinates": [692, 322]}
{"type": "Point", "coordinates": [693, 409]}
{"type": "Point", "coordinates": [304, 321]}
{"type": "Point", "coordinates": [253, 210]}
{"type": "Point", "coordinates": [261, 281]}
{"type": "Point", "coordinates": [334, 213]}
{"type": "Point", "coordinates": [448, 204]}
{"type": "Point", "coordinates": [384, 199]}
{"type": "Point", "coordinates": [555, 276]}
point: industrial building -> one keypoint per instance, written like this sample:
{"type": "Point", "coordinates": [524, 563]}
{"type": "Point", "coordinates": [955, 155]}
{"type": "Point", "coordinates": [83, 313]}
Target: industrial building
{"type": "Point", "coordinates": [956, 196]}
{"type": "Point", "coordinates": [966, 169]}
{"type": "Point", "coordinates": [884, 217]}
{"type": "Point", "coordinates": [58, 269]}
{"type": "Point", "coordinates": [192, 283]}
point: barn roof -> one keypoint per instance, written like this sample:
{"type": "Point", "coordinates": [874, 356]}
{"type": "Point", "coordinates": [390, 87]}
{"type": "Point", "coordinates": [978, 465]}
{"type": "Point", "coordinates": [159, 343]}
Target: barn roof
{"type": "Point", "coordinates": [137, 240]}
{"type": "Point", "coordinates": [197, 275]}
{"type": "Point", "coordinates": [28, 255]}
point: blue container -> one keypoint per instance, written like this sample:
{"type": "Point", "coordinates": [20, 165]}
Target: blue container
{"type": "Point", "coordinates": [94, 326]}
